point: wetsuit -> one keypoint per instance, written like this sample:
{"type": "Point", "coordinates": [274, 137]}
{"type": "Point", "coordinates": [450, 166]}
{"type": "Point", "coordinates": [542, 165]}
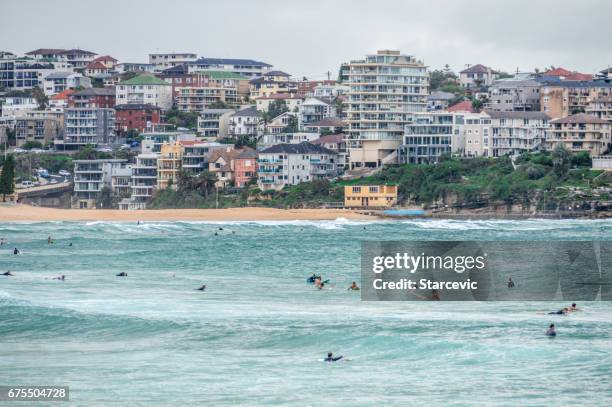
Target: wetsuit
{"type": "Point", "coordinates": [328, 359]}
{"type": "Point", "coordinates": [560, 312]}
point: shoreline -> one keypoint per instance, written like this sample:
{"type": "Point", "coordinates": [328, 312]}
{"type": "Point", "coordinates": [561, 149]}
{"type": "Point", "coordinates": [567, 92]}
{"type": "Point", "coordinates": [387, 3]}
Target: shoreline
{"type": "Point", "coordinates": [20, 212]}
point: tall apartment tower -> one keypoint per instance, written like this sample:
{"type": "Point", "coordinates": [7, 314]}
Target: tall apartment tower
{"type": "Point", "coordinates": [385, 88]}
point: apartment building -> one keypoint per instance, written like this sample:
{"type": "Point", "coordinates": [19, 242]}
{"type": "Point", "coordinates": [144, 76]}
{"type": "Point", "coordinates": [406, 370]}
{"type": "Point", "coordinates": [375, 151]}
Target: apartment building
{"type": "Point", "coordinates": [291, 164]}
{"type": "Point", "coordinates": [41, 128]}
{"type": "Point", "coordinates": [18, 104]}
{"type": "Point", "coordinates": [76, 58]}
{"type": "Point", "coordinates": [167, 60]}
{"type": "Point", "coordinates": [476, 76]}
{"type": "Point", "coordinates": [191, 99]}
{"type": "Point", "coordinates": [370, 196]}
{"type": "Point", "coordinates": [136, 117]}
{"type": "Point", "coordinates": [314, 110]}
{"type": "Point", "coordinates": [245, 67]}
{"type": "Point", "coordinates": [59, 102]}
{"type": "Point", "coordinates": [563, 98]}
{"type": "Point", "coordinates": [439, 100]}
{"type": "Point", "coordinates": [121, 180]}
{"type": "Point", "coordinates": [87, 126]}
{"type": "Point", "coordinates": [428, 136]}
{"type": "Point", "coordinates": [580, 132]}
{"type": "Point", "coordinates": [279, 123]}
{"type": "Point", "coordinates": [475, 135]}
{"type": "Point", "coordinates": [269, 140]}
{"type": "Point", "coordinates": [514, 133]}
{"type": "Point", "coordinates": [245, 167]}
{"type": "Point", "coordinates": [268, 86]}
{"type": "Point", "coordinates": [19, 73]}
{"type": "Point", "coordinates": [145, 89]}
{"type": "Point", "coordinates": [337, 144]}
{"type": "Point", "coordinates": [246, 122]}
{"type": "Point", "coordinates": [93, 97]}
{"type": "Point", "coordinates": [90, 177]}
{"type": "Point", "coordinates": [214, 123]}
{"type": "Point", "coordinates": [144, 181]}
{"type": "Point", "coordinates": [330, 125]}
{"type": "Point", "coordinates": [384, 88]}
{"type": "Point", "coordinates": [57, 82]}
{"type": "Point", "coordinates": [520, 93]}
{"type": "Point", "coordinates": [196, 155]}
{"type": "Point", "coordinates": [169, 163]}
{"type": "Point", "coordinates": [600, 107]}
{"type": "Point", "coordinates": [291, 100]}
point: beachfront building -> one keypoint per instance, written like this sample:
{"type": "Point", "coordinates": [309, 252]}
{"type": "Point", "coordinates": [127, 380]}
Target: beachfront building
{"type": "Point", "coordinates": [515, 133]}
{"type": "Point", "coordinates": [196, 155]}
{"type": "Point", "coordinates": [85, 126]}
{"type": "Point", "coordinates": [169, 165]}
{"type": "Point", "coordinates": [145, 89]}
{"type": "Point", "coordinates": [245, 167]}
{"type": "Point", "coordinates": [41, 128]}
{"type": "Point", "coordinates": [136, 117]}
{"type": "Point", "coordinates": [246, 122]}
{"type": "Point", "coordinates": [476, 76]}
{"type": "Point", "coordinates": [244, 67]}
{"type": "Point", "coordinates": [384, 89]}
{"type": "Point", "coordinates": [291, 164]}
{"type": "Point", "coordinates": [144, 181]}
{"type": "Point", "coordinates": [222, 165]}
{"type": "Point", "coordinates": [57, 82]}
{"type": "Point", "coordinates": [161, 61]}
{"type": "Point", "coordinates": [475, 135]}
{"type": "Point", "coordinates": [90, 177]}
{"type": "Point", "coordinates": [580, 132]}
{"type": "Point", "coordinates": [428, 136]}
{"type": "Point", "coordinates": [337, 144]}
{"type": "Point", "coordinates": [370, 196]}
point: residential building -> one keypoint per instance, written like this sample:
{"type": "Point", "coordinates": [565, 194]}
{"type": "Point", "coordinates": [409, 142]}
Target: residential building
{"type": "Point", "coordinates": [17, 73]}
{"type": "Point", "coordinates": [106, 60]}
{"type": "Point", "coordinates": [214, 123]}
{"type": "Point", "coordinates": [42, 128]}
{"type": "Point", "coordinates": [59, 102]}
{"type": "Point", "coordinates": [291, 100]}
{"type": "Point", "coordinates": [153, 140]}
{"type": "Point", "coordinates": [134, 67]}
{"type": "Point", "coordinates": [145, 89]}
{"type": "Point", "coordinates": [245, 167]}
{"type": "Point", "coordinates": [428, 136]}
{"type": "Point", "coordinates": [515, 133]}
{"type": "Point", "coordinates": [93, 97]}
{"type": "Point", "coordinates": [565, 75]}
{"type": "Point", "coordinates": [291, 164]}
{"type": "Point", "coordinates": [580, 132]}
{"type": "Point", "coordinates": [169, 165]}
{"type": "Point", "coordinates": [564, 98]}
{"type": "Point", "coordinates": [196, 155]}
{"type": "Point", "coordinates": [474, 135]}
{"type": "Point", "coordinates": [465, 106]}
{"type": "Point", "coordinates": [439, 100]}
{"type": "Point", "coordinates": [370, 196]}
{"type": "Point", "coordinates": [331, 125]}
{"type": "Point", "coordinates": [314, 110]}
{"type": "Point", "coordinates": [329, 90]}
{"type": "Point", "coordinates": [18, 104]}
{"type": "Point", "coordinates": [167, 60]}
{"type": "Point", "coordinates": [337, 144]}
{"type": "Point", "coordinates": [76, 58]}
{"type": "Point", "coordinates": [85, 126]}
{"type": "Point", "coordinates": [246, 122]}
{"type": "Point", "coordinates": [384, 89]}
{"type": "Point", "coordinates": [144, 180]}
{"type": "Point", "coordinates": [279, 123]}
{"type": "Point", "coordinates": [57, 82]}
{"type": "Point", "coordinates": [140, 117]}
{"type": "Point", "coordinates": [90, 177]}
{"type": "Point", "coordinates": [600, 107]}
{"type": "Point", "coordinates": [121, 181]}
{"type": "Point", "coordinates": [520, 93]}
{"type": "Point", "coordinates": [97, 69]}
{"type": "Point", "coordinates": [476, 76]}
{"type": "Point", "coordinates": [190, 99]}
{"type": "Point", "coordinates": [222, 165]}
{"type": "Point", "coordinates": [269, 140]}
{"type": "Point", "coordinates": [245, 67]}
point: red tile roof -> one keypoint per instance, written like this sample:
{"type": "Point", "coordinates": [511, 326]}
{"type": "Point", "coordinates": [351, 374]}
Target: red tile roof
{"type": "Point", "coordinates": [96, 65]}
{"type": "Point", "coordinates": [63, 95]}
{"type": "Point", "coordinates": [105, 58]}
{"type": "Point", "coordinates": [465, 106]}
{"type": "Point", "coordinates": [580, 118]}
{"type": "Point", "coordinates": [564, 74]}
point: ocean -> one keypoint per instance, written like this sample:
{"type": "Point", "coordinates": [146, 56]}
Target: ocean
{"type": "Point", "coordinates": [258, 335]}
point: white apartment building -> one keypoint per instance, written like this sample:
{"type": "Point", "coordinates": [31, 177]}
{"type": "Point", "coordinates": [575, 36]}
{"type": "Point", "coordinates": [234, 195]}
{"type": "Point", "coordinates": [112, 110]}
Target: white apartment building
{"type": "Point", "coordinates": [245, 67]}
{"type": "Point", "coordinates": [314, 110]}
{"type": "Point", "coordinates": [214, 123]}
{"type": "Point", "coordinates": [15, 106]}
{"type": "Point", "coordinates": [269, 140]}
{"type": "Point", "coordinates": [384, 88]}
{"type": "Point", "coordinates": [475, 136]}
{"type": "Point", "coordinates": [87, 126]}
{"type": "Point", "coordinates": [76, 58]}
{"type": "Point", "coordinates": [145, 89]}
{"type": "Point", "coordinates": [144, 180]}
{"type": "Point", "coordinates": [90, 177]}
{"type": "Point", "coordinates": [246, 122]}
{"type": "Point", "coordinates": [428, 136]}
{"type": "Point", "coordinates": [514, 133]}
{"type": "Point", "coordinates": [57, 82]}
{"type": "Point", "coordinates": [168, 60]}
{"type": "Point", "coordinates": [291, 164]}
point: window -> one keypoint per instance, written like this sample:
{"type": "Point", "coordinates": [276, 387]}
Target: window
{"type": "Point", "coordinates": [356, 190]}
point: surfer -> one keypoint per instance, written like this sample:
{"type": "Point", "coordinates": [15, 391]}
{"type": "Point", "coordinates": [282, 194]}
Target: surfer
{"type": "Point", "coordinates": [16, 251]}
{"type": "Point", "coordinates": [354, 287]}
{"type": "Point", "coordinates": [510, 282]}
{"type": "Point", "coordinates": [122, 274]}
{"type": "Point", "coordinates": [562, 311]}
{"type": "Point", "coordinates": [202, 288]}
{"type": "Point", "coordinates": [70, 245]}
{"type": "Point", "coordinates": [573, 308]}
{"type": "Point", "coordinates": [49, 240]}
{"type": "Point", "coordinates": [321, 286]}
{"type": "Point", "coordinates": [551, 330]}
{"type": "Point", "coordinates": [8, 273]}
{"type": "Point", "coordinates": [330, 357]}
{"type": "Point", "coordinates": [62, 277]}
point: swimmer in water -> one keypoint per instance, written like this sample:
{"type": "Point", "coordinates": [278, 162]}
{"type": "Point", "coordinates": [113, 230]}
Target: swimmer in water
{"type": "Point", "coordinates": [330, 357]}
{"type": "Point", "coordinates": [216, 234]}
{"type": "Point", "coordinates": [70, 245]}
{"type": "Point", "coordinates": [203, 288]}
{"type": "Point", "coordinates": [353, 287]}
{"type": "Point", "coordinates": [573, 308]}
{"type": "Point", "coordinates": [122, 274]}
{"type": "Point", "coordinates": [138, 223]}
{"type": "Point", "coordinates": [220, 228]}
{"type": "Point", "coordinates": [510, 282]}
{"type": "Point", "coordinates": [16, 251]}
{"type": "Point", "coordinates": [321, 286]}
{"type": "Point", "coordinates": [551, 330]}
{"type": "Point", "coordinates": [49, 240]}
{"type": "Point", "coordinates": [8, 273]}
{"type": "Point", "coordinates": [562, 311]}
{"type": "Point", "coordinates": [62, 277]}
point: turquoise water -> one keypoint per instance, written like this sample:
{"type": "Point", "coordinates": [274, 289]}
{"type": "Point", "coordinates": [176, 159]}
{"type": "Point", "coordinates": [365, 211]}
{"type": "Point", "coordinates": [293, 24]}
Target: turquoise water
{"type": "Point", "coordinates": [258, 335]}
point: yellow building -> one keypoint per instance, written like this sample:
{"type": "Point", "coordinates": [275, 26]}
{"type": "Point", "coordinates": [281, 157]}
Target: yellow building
{"type": "Point", "coordinates": [169, 164]}
{"type": "Point", "coordinates": [370, 196]}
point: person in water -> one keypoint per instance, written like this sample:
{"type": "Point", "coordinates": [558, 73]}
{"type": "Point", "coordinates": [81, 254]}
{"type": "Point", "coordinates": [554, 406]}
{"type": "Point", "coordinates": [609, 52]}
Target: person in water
{"type": "Point", "coordinates": [203, 288]}
{"type": "Point", "coordinates": [8, 273]}
{"type": "Point", "coordinates": [510, 282]}
{"type": "Point", "coordinates": [551, 330]}
{"type": "Point", "coordinates": [122, 274]}
{"type": "Point", "coordinates": [330, 357]}
{"type": "Point", "coordinates": [321, 286]}
{"type": "Point", "coordinates": [49, 240]}
{"type": "Point", "coordinates": [562, 311]}
{"type": "Point", "coordinates": [354, 287]}
{"type": "Point", "coordinates": [62, 277]}
{"type": "Point", "coordinates": [573, 308]}
{"type": "Point", "coordinates": [70, 245]}
{"type": "Point", "coordinates": [16, 251]}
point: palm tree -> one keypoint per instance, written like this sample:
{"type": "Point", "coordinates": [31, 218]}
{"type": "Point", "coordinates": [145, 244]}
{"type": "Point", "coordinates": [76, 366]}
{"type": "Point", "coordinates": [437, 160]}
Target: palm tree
{"type": "Point", "coordinates": [204, 182]}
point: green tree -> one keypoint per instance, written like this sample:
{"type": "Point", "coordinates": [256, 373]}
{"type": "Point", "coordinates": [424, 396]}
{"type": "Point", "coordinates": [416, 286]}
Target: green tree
{"type": "Point", "coordinates": [7, 177]}
{"type": "Point", "coordinates": [28, 145]}
{"type": "Point", "coordinates": [277, 108]}
{"type": "Point", "coordinates": [561, 159]}
{"type": "Point", "coordinates": [292, 126]}
{"type": "Point", "coordinates": [218, 104]}
{"type": "Point", "coordinates": [104, 200]}
{"type": "Point", "coordinates": [41, 98]}
{"type": "Point", "coordinates": [204, 182]}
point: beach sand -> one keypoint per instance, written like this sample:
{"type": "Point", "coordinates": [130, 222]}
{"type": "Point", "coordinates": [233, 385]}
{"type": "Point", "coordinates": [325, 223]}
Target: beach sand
{"type": "Point", "coordinates": [9, 213]}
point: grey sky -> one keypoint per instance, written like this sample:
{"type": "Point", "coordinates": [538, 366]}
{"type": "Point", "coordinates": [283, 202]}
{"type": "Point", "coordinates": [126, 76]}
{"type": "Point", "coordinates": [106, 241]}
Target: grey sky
{"type": "Point", "coordinates": [308, 38]}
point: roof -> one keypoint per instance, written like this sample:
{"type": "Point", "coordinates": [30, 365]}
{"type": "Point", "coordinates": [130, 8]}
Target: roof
{"type": "Point", "coordinates": [276, 73]}
{"type": "Point", "coordinates": [177, 69]}
{"type": "Point", "coordinates": [247, 152]}
{"type": "Point", "coordinates": [228, 156]}
{"type": "Point", "coordinates": [283, 95]}
{"type": "Point", "coordinates": [568, 75]}
{"type": "Point", "coordinates": [225, 75]}
{"type": "Point", "coordinates": [439, 95]}
{"type": "Point", "coordinates": [96, 65]}
{"type": "Point", "coordinates": [249, 111]}
{"type": "Point", "coordinates": [330, 138]}
{"type": "Point", "coordinates": [465, 106]}
{"type": "Point", "coordinates": [59, 51]}
{"type": "Point", "coordinates": [63, 95]}
{"type": "Point", "coordinates": [60, 75]}
{"type": "Point", "coordinates": [144, 80]}
{"type": "Point", "coordinates": [136, 106]}
{"type": "Point", "coordinates": [580, 118]}
{"type": "Point", "coordinates": [327, 122]}
{"type": "Point", "coordinates": [478, 68]}
{"type": "Point", "coordinates": [230, 61]}
{"type": "Point", "coordinates": [96, 92]}
{"type": "Point", "coordinates": [517, 115]}
{"type": "Point", "coordinates": [301, 148]}
{"type": "Point", "coordinates": [105, 58]}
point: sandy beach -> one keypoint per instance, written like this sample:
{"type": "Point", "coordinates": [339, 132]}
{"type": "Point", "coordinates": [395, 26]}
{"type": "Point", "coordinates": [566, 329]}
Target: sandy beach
{"type": "Point", "coordinates": [12, 213]}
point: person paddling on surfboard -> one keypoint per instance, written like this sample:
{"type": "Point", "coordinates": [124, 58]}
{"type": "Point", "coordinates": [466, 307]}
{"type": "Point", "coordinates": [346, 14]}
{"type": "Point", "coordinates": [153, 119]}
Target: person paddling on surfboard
{"type": "Point", "coordinates": [330, 357]}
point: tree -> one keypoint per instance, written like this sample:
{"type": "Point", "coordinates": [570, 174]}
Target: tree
{"type": "Point", "coordinates": [561, 158]}
{"type": "Point", "coordinates": [204, 183]}
{"type": "Point", "coordinates": [292, 126]}
{"type": "Point", "coordinates": [218, 104]}
{"type": "Point", "coordinates": [104, 199]}
{"type": "Point", "coordinates": [41, 98]}
{"type": "Point", "coordinates": [7, 177]}
{"type": "Point", "coordinates": [28, 145]}
{"type": "Point", "coordinates": [276, 108]}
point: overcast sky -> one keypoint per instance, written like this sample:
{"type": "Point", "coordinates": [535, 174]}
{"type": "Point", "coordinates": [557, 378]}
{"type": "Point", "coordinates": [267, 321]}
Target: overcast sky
{"type": "Point", "coordinates": [311, 37]}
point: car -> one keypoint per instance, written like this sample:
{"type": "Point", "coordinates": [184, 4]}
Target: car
{"type": "Point", "coordinates": [53, 181]}
{"type": "Point", "coordinates": [64, 173]}
{"type": "Point", "coordinates": [105, 150]}
{"type": "Point", "coordinates": [37, 150]}
{"type": "Point", "coordinates": [27, 184]}
{"type": "Point", "coordinates": [125, 147]}
{"type": "Point", "coordinates": [43, 173]}
{"type": "Point", "coordinates": [19, 150]}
